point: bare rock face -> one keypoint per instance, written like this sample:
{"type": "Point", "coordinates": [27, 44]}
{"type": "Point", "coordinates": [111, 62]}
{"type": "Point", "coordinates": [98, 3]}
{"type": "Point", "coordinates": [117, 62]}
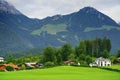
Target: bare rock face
{"type": "Point", "coordinates": [7, 7]}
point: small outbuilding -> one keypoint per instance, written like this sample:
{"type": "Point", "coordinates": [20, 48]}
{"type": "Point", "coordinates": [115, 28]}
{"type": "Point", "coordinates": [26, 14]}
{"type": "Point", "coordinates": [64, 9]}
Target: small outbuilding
{"type": "Point", "coordinates": [33, 65]}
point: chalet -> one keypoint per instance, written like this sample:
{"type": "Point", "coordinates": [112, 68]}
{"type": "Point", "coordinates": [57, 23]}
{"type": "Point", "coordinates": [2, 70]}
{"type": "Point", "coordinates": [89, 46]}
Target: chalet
{"type": "Point", "coordinates": [3, 66]}
{"type": "Point", "coordinates": [33, 65]}
{"type": "Point", "coordinates": [1, 59]}
{"type": "Point", "coordinates": [101, 62]}
{"type": "Point", "coordinates": [69, 62]}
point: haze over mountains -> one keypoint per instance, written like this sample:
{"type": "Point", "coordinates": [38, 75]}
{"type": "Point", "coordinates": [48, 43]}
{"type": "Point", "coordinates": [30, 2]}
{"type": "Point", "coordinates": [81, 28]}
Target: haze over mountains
{"type": "Point", "coordinates": [19, 32]}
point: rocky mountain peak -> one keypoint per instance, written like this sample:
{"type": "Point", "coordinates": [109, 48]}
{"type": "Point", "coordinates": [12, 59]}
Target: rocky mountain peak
{"type": "Point", "coordinates": [89, 9]}
{"type": "Point", "coordinates": [8, 8]}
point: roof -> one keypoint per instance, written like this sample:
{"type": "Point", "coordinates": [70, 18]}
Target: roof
{"type": "Point", "coordinates": [12, 65]}
{"type": "Point", "coordinates": [69, 62]}
{"type": "Point", "coordinates": [118, 58]}
{"type": "Point", "coordinates": [1, 58]}
{"type": "Point", "coordinates": [102, 59]}
{"type": "Point", "coordinates": [31, 64]}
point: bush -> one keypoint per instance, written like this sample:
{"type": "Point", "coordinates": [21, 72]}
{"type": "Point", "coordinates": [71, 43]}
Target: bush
{"type": "Point", "coordinates": [2, 62]}
{"type": "Point", "coordinates": [23, 67]}
{"type": "Point", "coordinates": [29, 67]}
{"type": "Point", "coordinates": [116, 61]}
{"type": "Point", "coordinates": [1, 70]}
{"type": "Point", "coordinates": [83, 63]}
{"type": "Point", "coordinates": [49, 64]}
{"type": "Point", "coordinates": [88, 60]}
{"type": "Point", "coordinates": [9, 68]}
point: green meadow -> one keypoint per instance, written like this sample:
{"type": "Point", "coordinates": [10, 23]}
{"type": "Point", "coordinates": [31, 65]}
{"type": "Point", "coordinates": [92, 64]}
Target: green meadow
{"type": "Point", "coordinates": [50, 28]}
{"type": "Point", "coordinates": [62, 73]}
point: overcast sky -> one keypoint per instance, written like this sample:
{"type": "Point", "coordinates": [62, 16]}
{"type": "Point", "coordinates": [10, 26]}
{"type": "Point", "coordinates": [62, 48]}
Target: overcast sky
{"type": "Point", "coordinates": [43, 8]}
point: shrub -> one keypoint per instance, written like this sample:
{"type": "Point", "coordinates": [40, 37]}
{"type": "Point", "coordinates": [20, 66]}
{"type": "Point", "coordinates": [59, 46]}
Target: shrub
{"type": "Point", "coordinates": [116, 61]}
{"type": "Point", "coordinates": [83, 63]}
{"type": "Point", "coordinates": [88, 59]}
{"type": "Point", "coordinates": [23, 67]}
{"type": "Point", "coordinates": [9, 68]}
{"type": "Point", "coordinates": [1, 70]}
{"type": "Point", "coordinates": [28, 67]}
{"type": "Point", "coordinates": [49, 64]}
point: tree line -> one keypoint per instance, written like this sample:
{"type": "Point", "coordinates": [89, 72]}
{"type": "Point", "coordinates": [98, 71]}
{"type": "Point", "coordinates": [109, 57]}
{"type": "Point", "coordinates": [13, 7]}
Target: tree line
{"type": "Point", "coordinates": [85, 52]}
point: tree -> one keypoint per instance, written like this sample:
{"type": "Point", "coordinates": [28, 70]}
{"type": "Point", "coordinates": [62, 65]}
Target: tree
{"type": "Point", "coordinates": [71, 56]}
{"type": "Point", "coordinates": [106, 44]}
{"type": "Point", "coordinates": [49, 64]}
{"type": "Point", "coordinates": [58, 57]}
{"type": "Point", "coordinates": [88, 44]}
{"type": "Point", "coordinates": [81, 49]}
{"type": "Point", "coordinates": [82, 57]}
{"type": "Point", "coordinates": [105, 54]}
{"type": "Point", "coordinates": [78, 51]}
{"type": "Point", "coordinates": [23, 67]}
{"type": "Point", "coordinates": [10, 59]}
{"type": "Point", "coordinates": [88, 59]}
{"type": "Point", "coordinates": [66, 50]}
{"type": "Point", "coordinates": [118, 53]}
{"type": "Point", "coordinates": [49, 54]}
{"type": "Point", "coordinates": [9, 68]}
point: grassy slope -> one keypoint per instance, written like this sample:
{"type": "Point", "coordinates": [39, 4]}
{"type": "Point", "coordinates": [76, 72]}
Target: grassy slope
{"type": "Point", "coordinates": [51, 29]}
{"type": "Point", "coordinates": [61, 73]}
{"type": "Point", "coordinates": [105, 27]}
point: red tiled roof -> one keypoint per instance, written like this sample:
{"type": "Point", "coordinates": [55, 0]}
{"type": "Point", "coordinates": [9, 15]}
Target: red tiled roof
{"type": "Point", "coordinates": [12, 65]}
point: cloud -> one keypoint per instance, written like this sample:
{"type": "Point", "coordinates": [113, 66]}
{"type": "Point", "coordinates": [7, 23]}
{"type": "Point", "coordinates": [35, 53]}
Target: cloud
{"type": "Point", "coordinates": [113, 12]}
{"type": "Point", "coordinates": [43, 8]}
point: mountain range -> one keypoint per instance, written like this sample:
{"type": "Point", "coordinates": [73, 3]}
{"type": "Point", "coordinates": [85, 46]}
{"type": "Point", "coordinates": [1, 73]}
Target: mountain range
{"type": "Point", "coordinates": [19, 32]}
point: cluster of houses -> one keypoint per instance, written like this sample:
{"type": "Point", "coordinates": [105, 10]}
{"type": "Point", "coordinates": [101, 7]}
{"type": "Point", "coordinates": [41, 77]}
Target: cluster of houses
{"type": "Point", "coordinates": [98, 62]}
{"type": "Point", "coordinates": [17, 67]}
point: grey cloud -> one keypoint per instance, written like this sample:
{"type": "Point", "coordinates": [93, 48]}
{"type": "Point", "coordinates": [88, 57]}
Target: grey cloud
{"type": "Point", "coordinates": [44, 8]}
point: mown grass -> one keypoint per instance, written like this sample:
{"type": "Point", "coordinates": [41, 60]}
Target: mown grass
{"type": "Point", "coordinates": [115, 67]}
{"type": "Point", "coordinates": [61, 73]}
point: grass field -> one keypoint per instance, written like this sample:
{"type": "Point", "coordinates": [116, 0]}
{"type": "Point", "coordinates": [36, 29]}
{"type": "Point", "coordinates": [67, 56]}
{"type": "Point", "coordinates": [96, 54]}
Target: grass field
{"type": "Point", "coordinates": [115, 67]}
{"type": "Point", "coordinates": [61, 73]}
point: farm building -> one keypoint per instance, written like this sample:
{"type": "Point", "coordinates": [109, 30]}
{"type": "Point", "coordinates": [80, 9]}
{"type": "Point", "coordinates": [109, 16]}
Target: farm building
{"type": "Point", "coordinates": [101, 62]}
{"type": "Point", "coordinates": [3, 66]}
{"type": "Point", "coordinates": [69, 62]}
{"type": "Point", "coordinates": [33, 65]}
{"type": "Point", "coordinates": [1, 59]}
